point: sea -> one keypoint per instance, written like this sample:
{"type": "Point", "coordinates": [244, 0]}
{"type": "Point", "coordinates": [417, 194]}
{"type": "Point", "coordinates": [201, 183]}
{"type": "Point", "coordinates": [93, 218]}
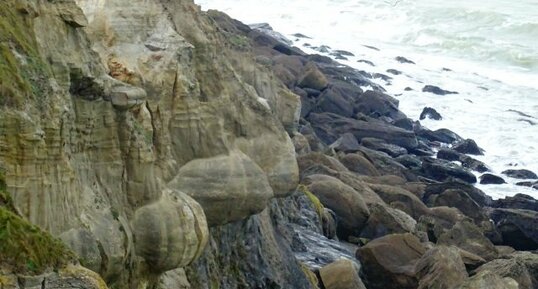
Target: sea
{"type": "Point", "coordinates": [487, 51]}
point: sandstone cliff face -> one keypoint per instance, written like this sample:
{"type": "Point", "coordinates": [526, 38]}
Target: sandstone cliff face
{"type": "Point", "coordinates": [127, 124]}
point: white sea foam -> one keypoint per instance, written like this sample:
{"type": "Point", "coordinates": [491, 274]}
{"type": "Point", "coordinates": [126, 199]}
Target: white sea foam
{"type": "Point", "coordinates": [491, 49]}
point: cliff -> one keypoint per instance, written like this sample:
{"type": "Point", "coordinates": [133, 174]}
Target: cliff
{"type": "Point", "coordinates": [148, 144]}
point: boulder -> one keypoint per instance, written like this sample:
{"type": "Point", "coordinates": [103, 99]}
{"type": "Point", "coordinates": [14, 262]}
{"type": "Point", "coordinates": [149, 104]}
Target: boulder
{"type": "Point", "coordinates": [316, 158]}
{"type": "Point", "coordinates": [346, 143]}
{"type": "Point", "coordinates": [411, 162]}
{"type": "Point", "coordinates": [348, 205]}
{"type": "Point", "coordinates": [441, 135]}
{"type": "Point", "coordinates": [341, 274]}
{"type": "Point", "coordinates": [519, 201]}
{"type": "Point", "coordinates": [489, 280]}
{"type": "Point", "coordinates": [384, 163]}
{"type": "Point", "coordinates": [313, 78]}
{"type": "Point", "coordinates": [377, 104]}
{"type": "Point", "coordinates": [448, 154]}
{"type": "Point", "coordinates": [170, 233]}
{"type": "Point", "coordinates": [329, 127]}
{"type": "Point", "coordinates": [473, 164]}
{"type": "Point", "coordinates": [301, 144]}
{"type": "Point", "coordinates": [442, 171]}
{"type": "Point", "coordinates": [533, 185]}
{"type": "Point", "coordinates": [401, 199]}
{"type": "Point", "coordinates": [229, 187]}
{"type": "Point", "coordinates": [385, 220]}
{"type": "Point", "coordinates": [467, 236]}
{"type": "Point", "coordinates": [437, 90]}
{"type": "Point", "coordinates": [380, 145]}
{"type": "Point", "coordinates": [441, 267]}
{"type": "Point", "coordinates": [519, 228]}
{"type": "Point", "coordinates": [491, 179]}
{"type": "Point", "coordinates": [520, 266]}
{"type": "Point", "coordinates": [439, 221]}
{"type": "Point", "coordinates": [331, 100]}
{"type": "Point", "coordinates": [359, 164]}
{"type": "Point", "coordinates": [520, 174]}
{"type": "Point", "coordinates": [402, 59]}
{"type": "Point", "coordinates": [477, 195]}
{"type": "Point", "coordinates": [430, 113]}
{"type": "Point", "coordinates": [460, 200]}
{"type": "Point", "coordinates": [389, 262]}
{"type": "Point", "coordinates": [468, 146]}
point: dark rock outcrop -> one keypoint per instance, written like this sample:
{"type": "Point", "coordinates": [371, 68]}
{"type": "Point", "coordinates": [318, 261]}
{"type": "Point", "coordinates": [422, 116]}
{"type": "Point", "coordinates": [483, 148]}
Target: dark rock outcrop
{"type": "Point", "coordinates": [468, 146]}
{"type": "Point", "coordinates": [437, 90]}
{"type": "Point", "coordinates": [520, 174]}
{"type": "Point", "coordinates": [431, 113]}
{"type": "Point", "coordinates": [519, 228]}
{"type": "Point", "coordinates": [490, 179]}
{"type": "Point", "coordinates": [442, 171]}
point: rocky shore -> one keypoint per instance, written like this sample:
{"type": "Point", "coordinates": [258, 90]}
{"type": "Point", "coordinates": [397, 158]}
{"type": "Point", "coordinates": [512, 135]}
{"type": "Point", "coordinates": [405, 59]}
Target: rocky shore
{"type": "Point", "coordinates": [148, 144]}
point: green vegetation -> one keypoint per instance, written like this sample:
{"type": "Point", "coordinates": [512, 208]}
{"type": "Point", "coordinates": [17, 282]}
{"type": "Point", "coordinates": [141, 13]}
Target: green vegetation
{"type": "Point", "coordinates": [21, 67]}
{"type": "Point", "coordinates": [313, 199]}
{"type": "Point", "coordinates": [24, 247]}
{"type": "Point", "coordinates": [239, 41]}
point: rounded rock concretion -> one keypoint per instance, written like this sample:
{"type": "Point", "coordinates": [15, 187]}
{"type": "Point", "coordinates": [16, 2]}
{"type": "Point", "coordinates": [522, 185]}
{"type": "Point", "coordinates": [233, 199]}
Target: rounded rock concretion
{"type": "Point", "coordinates": [170, 233]}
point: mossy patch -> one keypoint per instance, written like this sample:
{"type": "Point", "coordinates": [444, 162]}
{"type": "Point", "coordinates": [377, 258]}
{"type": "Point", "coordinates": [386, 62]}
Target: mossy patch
{"type": "Point", "coordinates": [313, 199]}
{"type": "Point", "coordinates": [25, 248]}
{"type": "Point", "coordinates": [310, 276]}
{"type": "Point", "coordinates": [21, 68]}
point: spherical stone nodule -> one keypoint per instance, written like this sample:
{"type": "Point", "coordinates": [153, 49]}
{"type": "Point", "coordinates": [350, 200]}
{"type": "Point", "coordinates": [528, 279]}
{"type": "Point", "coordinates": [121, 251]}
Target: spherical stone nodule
{"type": "Point", "coordinates": [170, 233]}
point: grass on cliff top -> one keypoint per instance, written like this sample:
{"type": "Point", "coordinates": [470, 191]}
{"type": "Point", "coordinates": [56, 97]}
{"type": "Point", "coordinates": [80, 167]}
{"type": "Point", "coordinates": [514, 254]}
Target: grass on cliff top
{"type": "Point", "coordinates": [18, 81]}
{"type": "Point", "coordinates": [25, 248]}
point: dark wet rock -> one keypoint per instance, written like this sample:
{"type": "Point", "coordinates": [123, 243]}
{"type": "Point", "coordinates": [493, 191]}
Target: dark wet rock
{"type": "Point", "coordinates": [473, 164]}
{"type": "Point", "coordinates": [448, 154]}
{"type": "Point", "coordinates": [441, 267]}
{"type": "Point", "coordinates": [460, 200]}
{"type": "Point", "coordinates": [348, 205]}
{"type": "Point", "coordinates": [533, 185]}
{"type": "Point", "coordinates": [477, 195]}
{"type": "Point", "coordinates": [394, 71]}
{"type": "Point", "coordinates": [469, 237]}
{"type": "Point", "coordinates": [339, 57]}
{"type": "Point", "coordinates": [430, 113]}
{"type": "Point", "coordinates": [371, 47]}
{"type": "Point", "coordinates": [323, 49]}
{"type": "Point", "coordinates": [385, 220]}
{"type": "Point", "coordinates": [441, 135]}
{"type": "Point", "coordinates": [520, 174]}
{"type": "Point", "coordinates": [389, 262]}
{"type": "Point", "coordinates": [520, 266]}
{"type": "Point", "coordinates": [329, 127]}
{"type": "Point", "coordinates": [344, 52]}
{"type": "Point", "coordinates": [437, 90]}
{"type": "Point", "coordinates": [311, 92]}
{"type": "Point", "coordinates": [408, 89]}
{"type": "Point", "coordinates": [405, 123]}
{"type": "Point", "coordinates": [519, 228]}
{"type": "Point", "coordinates": [468, 146]}
{"type": "Point", "coordinates": [521, 113]}
{"type": "Point", "coordinates": [300, 35]}
{"type": "Point", "coordinates": [366, 61]}
{"type": "Point", "coordinates": [409, 161]}
{"type": "Point", "coordinates": [490, 179]}
{"type": "Point", "coordinates": [376, 104]}
{"type": "Point", "coordinates": [446, 69]}
{"type": "Point", "coordinates": [442, 171]}
{"type": "Point", "coordinates": [346, 143]}
{"type": "Point", "coordinates": [384, 163]}
{"type": "Point", "coordinates": [359, 164]}
{"type": "Point", "coordinates": [382, 76]}
{"type": "Point", "coordinates": [320, 59]}
{"type": "Point", "coordinates": [382, 146]}
{"type": "Point", "coordinates": [402, 59]}
{"type": "Point", "coordinates": [401, 199]}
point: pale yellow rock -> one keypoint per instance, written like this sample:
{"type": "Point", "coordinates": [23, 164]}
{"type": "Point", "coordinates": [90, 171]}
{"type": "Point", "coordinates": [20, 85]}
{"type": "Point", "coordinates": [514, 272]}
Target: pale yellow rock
{"type": "Point", "coordinates": [341, 274]}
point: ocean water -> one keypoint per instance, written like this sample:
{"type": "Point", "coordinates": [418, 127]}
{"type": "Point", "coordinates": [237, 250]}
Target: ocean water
{"type": "Point", "coordinates": [487, 51]}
